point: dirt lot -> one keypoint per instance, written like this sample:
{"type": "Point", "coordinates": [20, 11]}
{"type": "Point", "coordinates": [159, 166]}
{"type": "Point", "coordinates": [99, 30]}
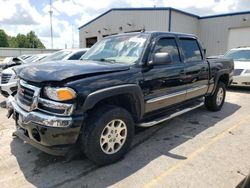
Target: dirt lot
{"type": "Point", "coordinates": [197, 149]}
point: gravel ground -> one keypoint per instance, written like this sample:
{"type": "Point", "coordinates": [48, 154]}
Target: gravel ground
{"type": "Point", "coordinates": [197, 149]}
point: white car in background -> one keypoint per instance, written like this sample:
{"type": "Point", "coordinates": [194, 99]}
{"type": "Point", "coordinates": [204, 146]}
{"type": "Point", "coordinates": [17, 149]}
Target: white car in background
{"type": "Point", "coordinates": [241, 57]}
{"type": "Point", "coordinates": [9, 79]}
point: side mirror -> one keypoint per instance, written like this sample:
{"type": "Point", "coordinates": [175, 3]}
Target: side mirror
{"type": "Point", "coordinates": [161, 58]}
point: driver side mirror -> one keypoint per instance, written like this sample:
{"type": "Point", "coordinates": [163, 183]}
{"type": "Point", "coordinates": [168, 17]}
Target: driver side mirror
{"type": "Point", "coordinates": [161, 58]}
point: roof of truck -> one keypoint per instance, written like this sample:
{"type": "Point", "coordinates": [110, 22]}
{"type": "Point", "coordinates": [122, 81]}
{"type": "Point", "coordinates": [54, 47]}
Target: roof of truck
{"type": "Point", "coordinates": [155, 33]}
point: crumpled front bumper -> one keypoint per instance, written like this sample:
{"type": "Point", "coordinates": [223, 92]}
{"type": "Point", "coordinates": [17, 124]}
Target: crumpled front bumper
{"type": "Point", "coordinates": [42, 131]}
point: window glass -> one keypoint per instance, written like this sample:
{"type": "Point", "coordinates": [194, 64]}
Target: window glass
{"type": "Point", "coordinates": [118, 49]}
{"type": "Point", "coordinates": [238, 55]}
{"type": "Point", "coordinates": [77, 55]}
{"type": "Point", "coordinates": [191, 50]}
{"type": "Point", "coordinates": [57, 56]}
{"type": "Point", "coordinates": [168, 45]}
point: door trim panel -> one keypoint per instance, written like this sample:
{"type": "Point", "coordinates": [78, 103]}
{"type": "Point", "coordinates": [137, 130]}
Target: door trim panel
{"type": "Point", "coordinates": [196, 91]}
{"type": "Point", "coordinates": [173, 98]}
{"type": "Point", "coordinates": [164, 97]}
{"type": "Point", "coordinates": [164, 101]}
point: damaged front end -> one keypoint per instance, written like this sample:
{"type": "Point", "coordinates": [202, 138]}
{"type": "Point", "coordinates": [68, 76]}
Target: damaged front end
{"type": "Point", "coordinates": [47, 125]}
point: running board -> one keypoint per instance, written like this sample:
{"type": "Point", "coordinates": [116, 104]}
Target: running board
{"type": "Point", "coordinates": [165, 118]}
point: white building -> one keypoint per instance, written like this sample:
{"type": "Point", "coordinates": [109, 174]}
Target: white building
{"type": "Point", "coordinates": [218, 33]}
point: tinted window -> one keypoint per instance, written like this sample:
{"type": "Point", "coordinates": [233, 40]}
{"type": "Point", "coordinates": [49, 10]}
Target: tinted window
{"type": "Point", "coordinates": [168, 45]}
{"type": "Point", "coordinates": [77, 55]}
{"type": "Point", "coordinates": [191, 50]}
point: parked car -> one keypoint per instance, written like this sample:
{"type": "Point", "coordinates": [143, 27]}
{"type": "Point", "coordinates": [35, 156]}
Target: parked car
{"type": "Point", "coordinates": [9, 84]}
{"type": "Point", "coordinates": [123, 81]}
{"type": "Point", "coordinates": [68, 54]}
{"type": "Point", "coordinates": [241, 57]}
{"type": "Point", "coordinates": [10, 62]}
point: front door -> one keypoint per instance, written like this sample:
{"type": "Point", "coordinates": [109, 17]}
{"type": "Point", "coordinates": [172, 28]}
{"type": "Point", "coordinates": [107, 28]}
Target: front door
{"type": "Point", "coordinates": [164, 84]}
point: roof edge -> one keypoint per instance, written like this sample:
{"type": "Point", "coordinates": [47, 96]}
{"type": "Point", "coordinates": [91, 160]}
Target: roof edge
{"type": "Point", "coordinates": [164, 8]}
{"type": "Point", "coordinates": [225, 14]}
{"type": "Point", "coordinates": [140, 9]}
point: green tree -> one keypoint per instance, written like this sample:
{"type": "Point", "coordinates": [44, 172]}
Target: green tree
{"type": "Point", "coordinates": [33, 41]}
{"type": "Point", "coordinates": [21, 41]}
{"type": "Point", "coordinates": [3, 39]}
{"type": "Point", "coordinates": [12, 42]}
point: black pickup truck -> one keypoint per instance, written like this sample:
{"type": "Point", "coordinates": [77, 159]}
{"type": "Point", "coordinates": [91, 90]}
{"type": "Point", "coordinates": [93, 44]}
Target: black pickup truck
{"type": "Point", "coordinates": [123, 81]}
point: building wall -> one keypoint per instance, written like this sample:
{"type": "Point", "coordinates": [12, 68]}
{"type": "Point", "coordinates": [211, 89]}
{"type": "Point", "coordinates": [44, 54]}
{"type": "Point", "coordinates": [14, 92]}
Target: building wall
{"type": "Point", "coordinates": [112, 21]}
{"type": "Point", "coordinates": [184, 23]}
{"type": "Point", "coordinates": [213, 32]}
{"type": "Point", "coordinates": [14, 52]}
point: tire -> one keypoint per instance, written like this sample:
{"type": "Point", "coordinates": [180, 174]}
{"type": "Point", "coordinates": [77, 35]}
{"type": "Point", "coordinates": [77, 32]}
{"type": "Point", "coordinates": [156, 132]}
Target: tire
{"type": "Point", "coordinates": [216, 101]}
{"type": "Point", "coordinates": [96, 140]}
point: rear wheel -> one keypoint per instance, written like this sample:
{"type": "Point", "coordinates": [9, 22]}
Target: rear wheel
{"type": "Point", "coordinates": [108, 134]}
{"type": "Point", "coordinates": [216, 101]}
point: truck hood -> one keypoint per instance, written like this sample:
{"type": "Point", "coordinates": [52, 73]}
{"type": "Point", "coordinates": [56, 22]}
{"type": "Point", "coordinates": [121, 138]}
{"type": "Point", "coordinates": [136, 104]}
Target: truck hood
{"type": "Point", "coordinates": [61, 70]}
{"type": "Point", "coordinates": [241, 64]}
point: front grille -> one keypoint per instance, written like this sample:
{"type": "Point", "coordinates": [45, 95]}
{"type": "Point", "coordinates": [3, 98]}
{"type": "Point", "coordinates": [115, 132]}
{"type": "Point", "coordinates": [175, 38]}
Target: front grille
{"type": "Point", "coordinates": [237, 72]}
{"type": "Point", "coordinates": [25, 95]}
{"type": "Point", "coordinates": [5, 78]}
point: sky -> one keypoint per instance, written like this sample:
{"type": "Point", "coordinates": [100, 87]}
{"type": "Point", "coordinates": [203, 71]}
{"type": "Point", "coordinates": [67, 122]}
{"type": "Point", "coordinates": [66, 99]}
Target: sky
{"type": "Point", "coordinates": [22, 16]}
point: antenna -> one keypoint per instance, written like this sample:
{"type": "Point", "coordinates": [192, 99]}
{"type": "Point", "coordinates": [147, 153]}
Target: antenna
{"type": "Point", "coordinates": [51, 28]}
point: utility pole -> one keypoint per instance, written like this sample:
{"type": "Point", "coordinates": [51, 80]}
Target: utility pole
{"type": "Point", "coordinates": [72, 36]}
{"type": "Point", "coordinates": [51, 28]}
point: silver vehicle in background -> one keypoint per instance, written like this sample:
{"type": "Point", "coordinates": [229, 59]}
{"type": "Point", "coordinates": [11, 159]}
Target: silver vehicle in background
{"type": "Point", "coordinates": [9, 79]}
{"type": "Point", "coordinates": [8, 83]}
{"type": "Point", "coordinates": [241, 57]}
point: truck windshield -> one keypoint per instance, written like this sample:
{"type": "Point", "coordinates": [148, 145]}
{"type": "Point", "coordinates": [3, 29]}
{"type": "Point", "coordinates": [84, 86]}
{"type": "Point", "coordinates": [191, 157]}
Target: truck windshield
{"type": "Point", "coordinates": [118, 49]}
{"type": "Point", "coordinates": [238, 55]}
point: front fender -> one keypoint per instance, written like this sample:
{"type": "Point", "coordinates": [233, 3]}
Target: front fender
{"type": "Point", "coordinates": [93, 98]}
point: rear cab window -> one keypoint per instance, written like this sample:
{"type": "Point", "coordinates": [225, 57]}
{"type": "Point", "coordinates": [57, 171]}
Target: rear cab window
{"type": "Point", "coordinates": [191, 50]}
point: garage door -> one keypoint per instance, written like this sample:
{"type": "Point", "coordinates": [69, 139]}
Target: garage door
{"type": "Point", "coordinates": [238, 37]}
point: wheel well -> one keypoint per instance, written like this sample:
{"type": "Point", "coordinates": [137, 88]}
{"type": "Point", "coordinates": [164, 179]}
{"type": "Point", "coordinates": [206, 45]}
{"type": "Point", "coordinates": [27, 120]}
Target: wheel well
{"type": "Point", "coordinates": [225, 79]}
{"type": "Point", "coordinates": [127, 101]}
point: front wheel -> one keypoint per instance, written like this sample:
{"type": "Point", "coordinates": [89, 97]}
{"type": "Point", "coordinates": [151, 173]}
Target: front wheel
{"type": "Point", "coordinates": [108, 134]}
{"type": "Point", "coordinates": [216, 101]}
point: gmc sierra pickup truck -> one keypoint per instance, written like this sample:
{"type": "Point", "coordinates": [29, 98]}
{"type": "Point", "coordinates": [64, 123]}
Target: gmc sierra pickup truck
{"type": "Point", "coordinates": [123, 81]}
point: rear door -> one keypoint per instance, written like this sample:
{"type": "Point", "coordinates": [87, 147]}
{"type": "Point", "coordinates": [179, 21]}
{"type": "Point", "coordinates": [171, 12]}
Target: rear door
{"type": "Point", "coordinates": [164, 84]}
{"type": "Point", "coordinates": [197, 68]}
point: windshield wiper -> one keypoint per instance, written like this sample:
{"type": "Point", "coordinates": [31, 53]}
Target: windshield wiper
{"type": "Point", "coordinates": [107, 60]}
{"type": "Point", "coordinates": [103, 60]}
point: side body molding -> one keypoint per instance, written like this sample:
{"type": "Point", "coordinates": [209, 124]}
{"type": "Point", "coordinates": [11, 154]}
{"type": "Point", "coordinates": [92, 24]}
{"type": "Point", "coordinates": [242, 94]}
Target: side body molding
{"type": "Point", "coordinates": [132, 89]}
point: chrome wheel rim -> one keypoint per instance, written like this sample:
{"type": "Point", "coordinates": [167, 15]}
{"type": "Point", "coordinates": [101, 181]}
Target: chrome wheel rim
{"type": "Point", "coordinates": [113, 136]}
{"type": "Point", "coordinates": [220, 96]}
